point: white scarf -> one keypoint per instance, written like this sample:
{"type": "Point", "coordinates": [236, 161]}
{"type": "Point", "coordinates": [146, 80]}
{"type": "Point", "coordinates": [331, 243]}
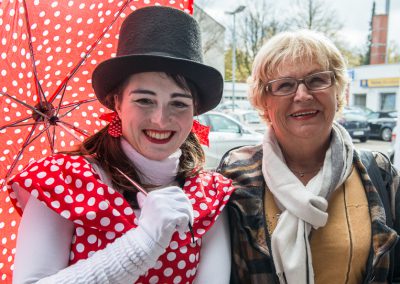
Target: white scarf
{"type": "Point", "coordinates": [154, 172]}
{"type": "Point", "coordinates": [303, 207]}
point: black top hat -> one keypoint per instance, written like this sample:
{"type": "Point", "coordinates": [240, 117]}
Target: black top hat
{"type": "Point", "coordinates": [160, 39]}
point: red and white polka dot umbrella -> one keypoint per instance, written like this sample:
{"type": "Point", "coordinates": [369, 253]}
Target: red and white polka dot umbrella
{"type": "Point", "coordinates": [48, 50]}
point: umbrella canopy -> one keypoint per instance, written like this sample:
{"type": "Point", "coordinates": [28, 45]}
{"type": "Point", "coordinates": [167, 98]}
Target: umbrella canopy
{"type": "Point", "coordinates": [48, 50]}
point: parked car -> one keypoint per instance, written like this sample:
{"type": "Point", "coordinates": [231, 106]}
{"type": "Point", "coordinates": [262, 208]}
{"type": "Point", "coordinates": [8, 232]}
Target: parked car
{"type": "Point", "coordinates": [249, 118]}
{"type": "Point", "coordinates": [355, 123]}
{"type": "Point", "coordinates": [226, 133]}
{"type": "Point", "coordinates": [228, 106]}
{"type": "Point", "coordinates": [382, 123]}
{"type": "Point", "coordinates": [391, 150]}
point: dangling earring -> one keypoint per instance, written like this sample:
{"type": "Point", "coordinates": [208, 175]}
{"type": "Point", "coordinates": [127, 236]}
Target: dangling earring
{"type": "Point", "coordinates": [115, 125]}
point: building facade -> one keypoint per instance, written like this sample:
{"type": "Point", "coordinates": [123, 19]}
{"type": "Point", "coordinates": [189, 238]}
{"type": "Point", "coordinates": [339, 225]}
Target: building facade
{"type": "Point", "coordinates": [375, 86]}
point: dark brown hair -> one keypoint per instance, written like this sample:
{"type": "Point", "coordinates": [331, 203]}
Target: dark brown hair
{"type": "Point", "coordinates": [108, 152]}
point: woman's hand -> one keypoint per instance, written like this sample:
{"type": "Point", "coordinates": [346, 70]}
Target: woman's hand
{"type": "Point", "coordinates": [165, 211]}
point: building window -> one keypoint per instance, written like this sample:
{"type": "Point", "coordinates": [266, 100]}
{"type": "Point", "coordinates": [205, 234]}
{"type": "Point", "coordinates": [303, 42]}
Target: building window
{"type": "Point", "coordinates": [360, 100]}
{"type": "Point", "coordinates": [388, 101]}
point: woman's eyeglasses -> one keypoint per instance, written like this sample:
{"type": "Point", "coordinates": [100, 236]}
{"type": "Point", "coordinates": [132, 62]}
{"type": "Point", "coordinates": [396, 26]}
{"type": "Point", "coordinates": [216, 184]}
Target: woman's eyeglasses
{"type": "Point", "coordinates": [314, 82]}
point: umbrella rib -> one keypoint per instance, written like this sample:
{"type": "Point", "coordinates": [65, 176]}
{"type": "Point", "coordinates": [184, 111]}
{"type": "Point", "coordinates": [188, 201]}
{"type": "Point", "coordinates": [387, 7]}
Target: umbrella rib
{"type": "Point", "coordinates": [39, 89]}
{"type": "Point", "coordinates": [61, 124]}
{"type": "Point", "coordinates": [25, 104]}
{"type": "Point", "coordinates": [51, 138]}
{"type": "Point", "coordinates": [28, 141]}
{"type": "Point", "coordinates": [74, 106]}
{"type": "Point", "coordinates": [16, 123]}
{"type": "Point", "coordinates": [81, 131]}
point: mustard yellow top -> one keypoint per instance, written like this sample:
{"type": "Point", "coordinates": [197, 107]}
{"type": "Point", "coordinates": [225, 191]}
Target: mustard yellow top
{"type": "Point", "coordinates": [340, 249]}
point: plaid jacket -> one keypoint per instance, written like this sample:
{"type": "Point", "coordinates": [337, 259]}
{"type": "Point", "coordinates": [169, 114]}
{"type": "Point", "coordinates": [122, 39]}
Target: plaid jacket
{"type": "Point", "coordinates": [251, 245]}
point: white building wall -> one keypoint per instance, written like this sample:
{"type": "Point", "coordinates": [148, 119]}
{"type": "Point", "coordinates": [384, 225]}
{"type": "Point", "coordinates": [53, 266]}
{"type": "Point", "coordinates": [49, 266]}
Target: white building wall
{"type": "Point", "coordinates": [365, 80]}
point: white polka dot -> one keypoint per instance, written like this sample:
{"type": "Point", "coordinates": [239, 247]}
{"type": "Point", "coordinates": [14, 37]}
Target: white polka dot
{"type": "Point", "coordinates": [80, 231]}
{"type": "Point", "coordinates": [128, 211]}
{"type": "Point", "coordinates": [173, 245]}
{"type": "Point", "coordinates": [203, 206]}
{"type": "Point", "coordinates": [89, 186]}
{"type": "Point", "coordinates": [78, 183]}
{"type": "Point", "coordinates": [105, 221]}
{"type": "Point", "coordinates": [119, 227]}
{"type": "Point", "coordinates": [116, 213]}
{"type": "Point", "coordinates": [79, 210]}
{"type": "Point", "coordinates": [153, 279]}
{"type": "Point", "coordinates": [68, 199]}
{"type": "Point", "coordinates": [91, 201]}
{"type": "Point", "coordinates": [80, 197]}
{"type": "Point", "coordinates": [54, 168]}
{"type": "Point", "coordinates": [177, 279]}
{"type": "Point", "coordinates": [92, 239]}
{"type": "Point", "coordinates": [118, 201]}
{"type": "Point", "coordinates": [199, 194]}
{"type": "Point", "coordinates": [158, 264]}
{"type": "Point", "coordinates": [49, 181]}
{"type": "Point", "coordinates": [183, 249]}
{"type": "Point", "coordinates": [192, 258]}
{"type": "Point", "coordinates": [91, 215]}
{"type": "Point", "coordinates": [171, 256]}
{"type": "Point", "coordinates": [80, 247]}
{"type": "Point", "coordinates": [28, 182]}
{"type": "Point", "coordinates": [103, 205]}
{"type": "Point", "coordinates": [55, 204]}
{"type": "Point", "coordinates": [181, 264]}
{"type": "Point", "coordinates": [110, 235]}
{"type": "Point", "coordinates": [168, 272]}
{"type": "Point", "coordinates": [59, 189]}
{"type": "Point", "coordinates": [66, 214]}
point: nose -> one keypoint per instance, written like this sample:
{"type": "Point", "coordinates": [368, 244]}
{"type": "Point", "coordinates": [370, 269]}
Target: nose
{"type": "Point", "coordinates": [302, 93]}
{"type": "Point", "coordinates": [160, 116]}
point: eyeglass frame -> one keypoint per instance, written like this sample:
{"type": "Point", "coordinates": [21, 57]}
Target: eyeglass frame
{"type": "Point", "coordinates": [301, 81]}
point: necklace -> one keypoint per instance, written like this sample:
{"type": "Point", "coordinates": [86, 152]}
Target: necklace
{"type": "Point", "coordinates": [302, 173]}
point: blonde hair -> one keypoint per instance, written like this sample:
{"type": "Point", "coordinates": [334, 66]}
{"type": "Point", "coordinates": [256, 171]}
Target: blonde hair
{"type": "Point", "coordinates": [298, 47]}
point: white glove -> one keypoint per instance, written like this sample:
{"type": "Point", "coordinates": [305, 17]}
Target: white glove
{"type": "Point", "coordinates": [165, 211]}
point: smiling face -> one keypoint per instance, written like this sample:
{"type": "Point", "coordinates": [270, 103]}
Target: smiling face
{"type": "Point", "coordinates": [304, 114]}
{"type": "Point", "coordinates": [156, 114]}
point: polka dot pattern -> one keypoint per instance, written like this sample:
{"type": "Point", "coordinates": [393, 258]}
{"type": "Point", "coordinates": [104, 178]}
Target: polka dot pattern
{"type": "Point", "coordinates": [101, 216]}
{"type": "Point", "coordinates": [64, 36]}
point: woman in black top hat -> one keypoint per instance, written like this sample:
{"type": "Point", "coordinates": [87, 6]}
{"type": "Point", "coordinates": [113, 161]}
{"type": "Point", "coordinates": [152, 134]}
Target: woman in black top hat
{"type": "Point", "coordinates": [132, 203]}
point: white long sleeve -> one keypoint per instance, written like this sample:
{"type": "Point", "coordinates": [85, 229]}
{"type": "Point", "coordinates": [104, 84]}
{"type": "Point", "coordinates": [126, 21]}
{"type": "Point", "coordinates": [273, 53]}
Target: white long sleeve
{"type": "Point", "coordinates": [215, 262]}
{"type": "Point", "coordinates": [122, 261]}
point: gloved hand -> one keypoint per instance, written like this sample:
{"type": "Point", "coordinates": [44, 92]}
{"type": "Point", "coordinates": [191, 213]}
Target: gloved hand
{"type": "Point", "coordinates": [165, 211]}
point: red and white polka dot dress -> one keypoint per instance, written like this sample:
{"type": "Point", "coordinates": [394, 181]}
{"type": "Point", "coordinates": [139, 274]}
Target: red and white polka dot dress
{"type": "Point", "coordinates": [71, 187]}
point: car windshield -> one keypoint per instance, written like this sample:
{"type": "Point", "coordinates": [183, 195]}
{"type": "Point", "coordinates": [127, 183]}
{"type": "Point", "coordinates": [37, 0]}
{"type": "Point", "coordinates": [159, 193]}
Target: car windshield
{"type": "Point", "coordinates": [252, 117]}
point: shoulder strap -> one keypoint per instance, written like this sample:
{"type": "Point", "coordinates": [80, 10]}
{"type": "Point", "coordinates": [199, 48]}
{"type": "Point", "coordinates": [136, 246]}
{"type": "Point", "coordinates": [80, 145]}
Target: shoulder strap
{"type": "Point", "coordinates": [368, 160]}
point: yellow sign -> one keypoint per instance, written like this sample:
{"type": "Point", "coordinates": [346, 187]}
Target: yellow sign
{"type": "Point", "coordinates": [381, 82]}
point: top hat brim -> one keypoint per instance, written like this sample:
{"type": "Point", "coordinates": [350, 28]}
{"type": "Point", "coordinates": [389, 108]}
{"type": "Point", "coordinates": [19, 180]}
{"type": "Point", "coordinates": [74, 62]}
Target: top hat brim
{"type": "Point", "coordinates": [112, 72]}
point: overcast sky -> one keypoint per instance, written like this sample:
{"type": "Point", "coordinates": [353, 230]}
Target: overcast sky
{"type": "Point", "coordinates": [354, 14]}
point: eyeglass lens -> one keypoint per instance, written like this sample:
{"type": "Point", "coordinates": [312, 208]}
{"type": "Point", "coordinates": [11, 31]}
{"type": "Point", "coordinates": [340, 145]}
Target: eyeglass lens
{"type": "Point", "coordinates": [313, 82]}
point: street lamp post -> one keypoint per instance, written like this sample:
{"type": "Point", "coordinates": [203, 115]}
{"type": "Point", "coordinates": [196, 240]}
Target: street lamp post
{"type": "Point", "coordinates": [233, 13]}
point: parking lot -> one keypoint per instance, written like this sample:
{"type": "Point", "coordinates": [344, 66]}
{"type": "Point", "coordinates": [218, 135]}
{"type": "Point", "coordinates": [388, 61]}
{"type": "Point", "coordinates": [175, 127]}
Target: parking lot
{"type": "Point", "coordinates": [371, 144]}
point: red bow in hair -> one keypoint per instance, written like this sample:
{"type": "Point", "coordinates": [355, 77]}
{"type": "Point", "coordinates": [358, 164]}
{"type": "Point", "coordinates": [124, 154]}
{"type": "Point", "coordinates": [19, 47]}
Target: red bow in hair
{"type": "Point", "coordinates": [202, 132]}
{"type": "Point", "coordinates": [115, 126]}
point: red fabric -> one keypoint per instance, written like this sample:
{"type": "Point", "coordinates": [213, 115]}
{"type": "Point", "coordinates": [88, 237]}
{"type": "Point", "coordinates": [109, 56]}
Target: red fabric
{"type": "Point", "coordinates": [69, 186]}
{"type": "Point", "coordinates": [202, 132]}
{"type": "Point", "coordinates": [68, 40]}
{"type": "Point", "coordinates": [115, 126]}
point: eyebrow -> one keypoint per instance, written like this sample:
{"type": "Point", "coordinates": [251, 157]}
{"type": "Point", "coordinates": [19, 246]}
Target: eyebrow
{"type": "Point", "coordinates": [148, 92]}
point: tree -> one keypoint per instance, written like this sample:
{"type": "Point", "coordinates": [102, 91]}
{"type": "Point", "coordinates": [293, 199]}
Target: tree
{"type": "Point", "coordinates": [393, 52]}
{"type": "Point", "coordinates": [316, 15]}
{"type": "Point", "coordinates": [254, 27]}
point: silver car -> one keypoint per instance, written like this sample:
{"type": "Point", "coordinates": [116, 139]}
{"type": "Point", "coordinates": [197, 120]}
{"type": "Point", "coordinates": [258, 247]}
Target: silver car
{"type": "Point", "coordinates": [226, 133]}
